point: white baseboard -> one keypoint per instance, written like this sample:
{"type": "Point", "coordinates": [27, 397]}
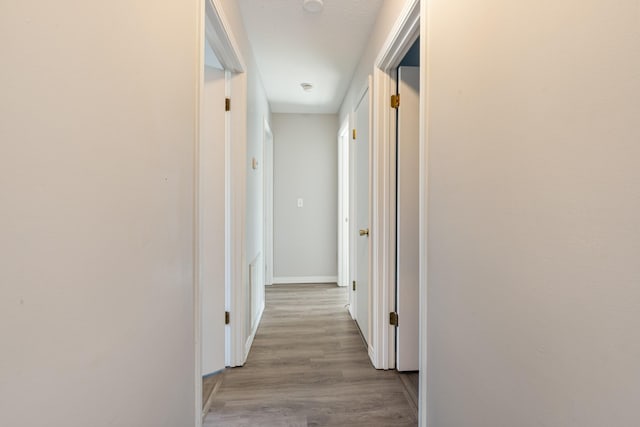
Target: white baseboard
{"type": "Point", "coordinates": [304, 279]}
{"type": "Point", "coordinates": [372, 357]}
{"type": "Point", "coordinates": [249, 342]}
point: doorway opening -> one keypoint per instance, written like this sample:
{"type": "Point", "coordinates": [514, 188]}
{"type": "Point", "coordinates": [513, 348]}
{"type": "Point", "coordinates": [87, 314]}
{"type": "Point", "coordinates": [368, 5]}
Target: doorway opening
{"type": "Point", "coordinates": [399, 183]}
{"type": "Point", "coordinates": [219, 221]}
{"type": "Point", "coordinates": [211, 224]}
{"type": "Point", "coordinates": [388, 210]}
{"type": "Point", "coordinates": [384, 222]}
{"type": "Point", "coordinates": [407, 289]}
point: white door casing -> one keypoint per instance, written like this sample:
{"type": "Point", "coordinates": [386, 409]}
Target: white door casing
{"type": "Point", "coordinates": [217, 32]}
{"type": "Point", "coordinates": [407, 258]}
{"type": "Point", "coordinates": [400, 39]}
{"type": "Point", "coordinates": [411, 24]}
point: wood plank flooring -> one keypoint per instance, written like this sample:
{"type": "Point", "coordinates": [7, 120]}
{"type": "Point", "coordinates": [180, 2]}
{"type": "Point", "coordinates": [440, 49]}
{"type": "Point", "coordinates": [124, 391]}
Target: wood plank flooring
{"type": "Point", "coordinates": [411, 382]}
{"type": "Point", "coordinates": [210, 385]}
{"type": "Point", "coordinates": [308, 367]}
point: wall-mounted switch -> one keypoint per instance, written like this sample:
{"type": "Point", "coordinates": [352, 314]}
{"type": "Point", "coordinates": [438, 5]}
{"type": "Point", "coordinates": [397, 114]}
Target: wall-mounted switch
{"type": "Point", "coordinates": [300, 203]}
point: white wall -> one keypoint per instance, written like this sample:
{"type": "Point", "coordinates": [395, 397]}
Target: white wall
{"type": "Point", "coordinates": [534, 200]}
{"type": "Point", "coordinates": [97, 137]}
{"type": "Point", "coordinates": [305, 166]}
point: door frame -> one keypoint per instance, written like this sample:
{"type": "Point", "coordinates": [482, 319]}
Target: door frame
{"type": "Point", "coordinates": [404, 33]}
{"type": "Point", "coordinates": [224, 45]}
{"type": "Point", "coordinates": [412, 22]}
{"type": "Point", "coordinates": [214, 26]}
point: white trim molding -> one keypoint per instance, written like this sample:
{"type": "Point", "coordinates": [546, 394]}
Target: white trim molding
{"type": "Point", "coordinates": [402, 36]}
{"type": "Point", "coordinates": [404, 33]}
{"type": "Point", "coordinates": [252, 335]}
{"type": "Point", "coordinates": [371, 352]}
{"type": "Point", "coordinates": [304, 280]}
{"type": "Point", "coordinates": [220, 37]}
{"type": "Point", "coordinates": [214, 26]}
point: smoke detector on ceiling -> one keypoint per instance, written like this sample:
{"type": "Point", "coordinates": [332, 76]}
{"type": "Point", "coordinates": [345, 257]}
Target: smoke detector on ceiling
{"type": "Point", "coordinates": [313, 6]}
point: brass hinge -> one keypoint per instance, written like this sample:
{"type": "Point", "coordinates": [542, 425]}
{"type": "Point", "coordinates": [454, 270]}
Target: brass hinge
{"type": "Point", "coordinates": [227, 317]}
{"type": "Point", "coordinates": [354, 134]}
{"type": "Point", "coordinates": [393, 318]}
{"type": "Point", "coordinates": [354, 285]}
{"type": "Point", "coordinates": [395, 101]}
{"type": "Point", "coordinates": [227, 104]}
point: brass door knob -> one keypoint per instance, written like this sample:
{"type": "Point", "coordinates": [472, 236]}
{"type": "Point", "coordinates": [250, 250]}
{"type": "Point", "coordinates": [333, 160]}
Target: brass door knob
{"type": "Point", "coordinates": [364, 232]}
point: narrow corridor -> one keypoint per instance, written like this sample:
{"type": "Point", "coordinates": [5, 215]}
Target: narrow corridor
{"type": "Point", "coordinates": [309, 367]}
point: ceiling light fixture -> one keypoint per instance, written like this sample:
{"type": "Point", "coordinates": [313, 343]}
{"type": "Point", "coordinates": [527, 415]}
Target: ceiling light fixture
{"type": "Point", "coordinates": [306, 87]}
{"type": "Point", "coordinates": [313, 6]}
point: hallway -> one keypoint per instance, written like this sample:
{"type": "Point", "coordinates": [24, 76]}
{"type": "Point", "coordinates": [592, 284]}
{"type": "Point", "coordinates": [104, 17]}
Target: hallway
{"type": "Point", "coordinates": [308, 367]}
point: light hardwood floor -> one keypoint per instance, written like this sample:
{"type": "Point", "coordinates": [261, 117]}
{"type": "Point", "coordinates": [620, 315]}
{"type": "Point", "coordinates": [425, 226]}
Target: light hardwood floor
{"type": "Point", "coordinates": [308, 367]}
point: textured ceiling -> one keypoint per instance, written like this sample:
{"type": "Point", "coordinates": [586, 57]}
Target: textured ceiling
{"type": "Point", "coordinates": [292, 46]}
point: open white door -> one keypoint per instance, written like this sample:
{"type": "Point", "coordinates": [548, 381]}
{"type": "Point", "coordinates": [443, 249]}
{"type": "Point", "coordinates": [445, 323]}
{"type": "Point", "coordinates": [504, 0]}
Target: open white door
{"type": "Point", "coordinates": [211, 221]}
{"type": "Point", "coordinates": [362, 118]}
{"type": "Point", "coordinates": [408, 271]}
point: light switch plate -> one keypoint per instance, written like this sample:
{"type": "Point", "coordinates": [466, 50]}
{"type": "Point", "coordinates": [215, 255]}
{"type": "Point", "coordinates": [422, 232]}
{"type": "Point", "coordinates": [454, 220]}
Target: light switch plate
{"type": "Point", "coordinates": [300, 203]}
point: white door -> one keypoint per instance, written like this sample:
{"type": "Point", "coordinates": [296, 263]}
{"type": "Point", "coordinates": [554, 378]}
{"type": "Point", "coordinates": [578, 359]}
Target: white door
{"type": "Point", "coordinates": [407, 273]}
{"type": "Point", "coordinates": [361, 218]}
{"type": "Point", "coordinates": [211, 221]}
